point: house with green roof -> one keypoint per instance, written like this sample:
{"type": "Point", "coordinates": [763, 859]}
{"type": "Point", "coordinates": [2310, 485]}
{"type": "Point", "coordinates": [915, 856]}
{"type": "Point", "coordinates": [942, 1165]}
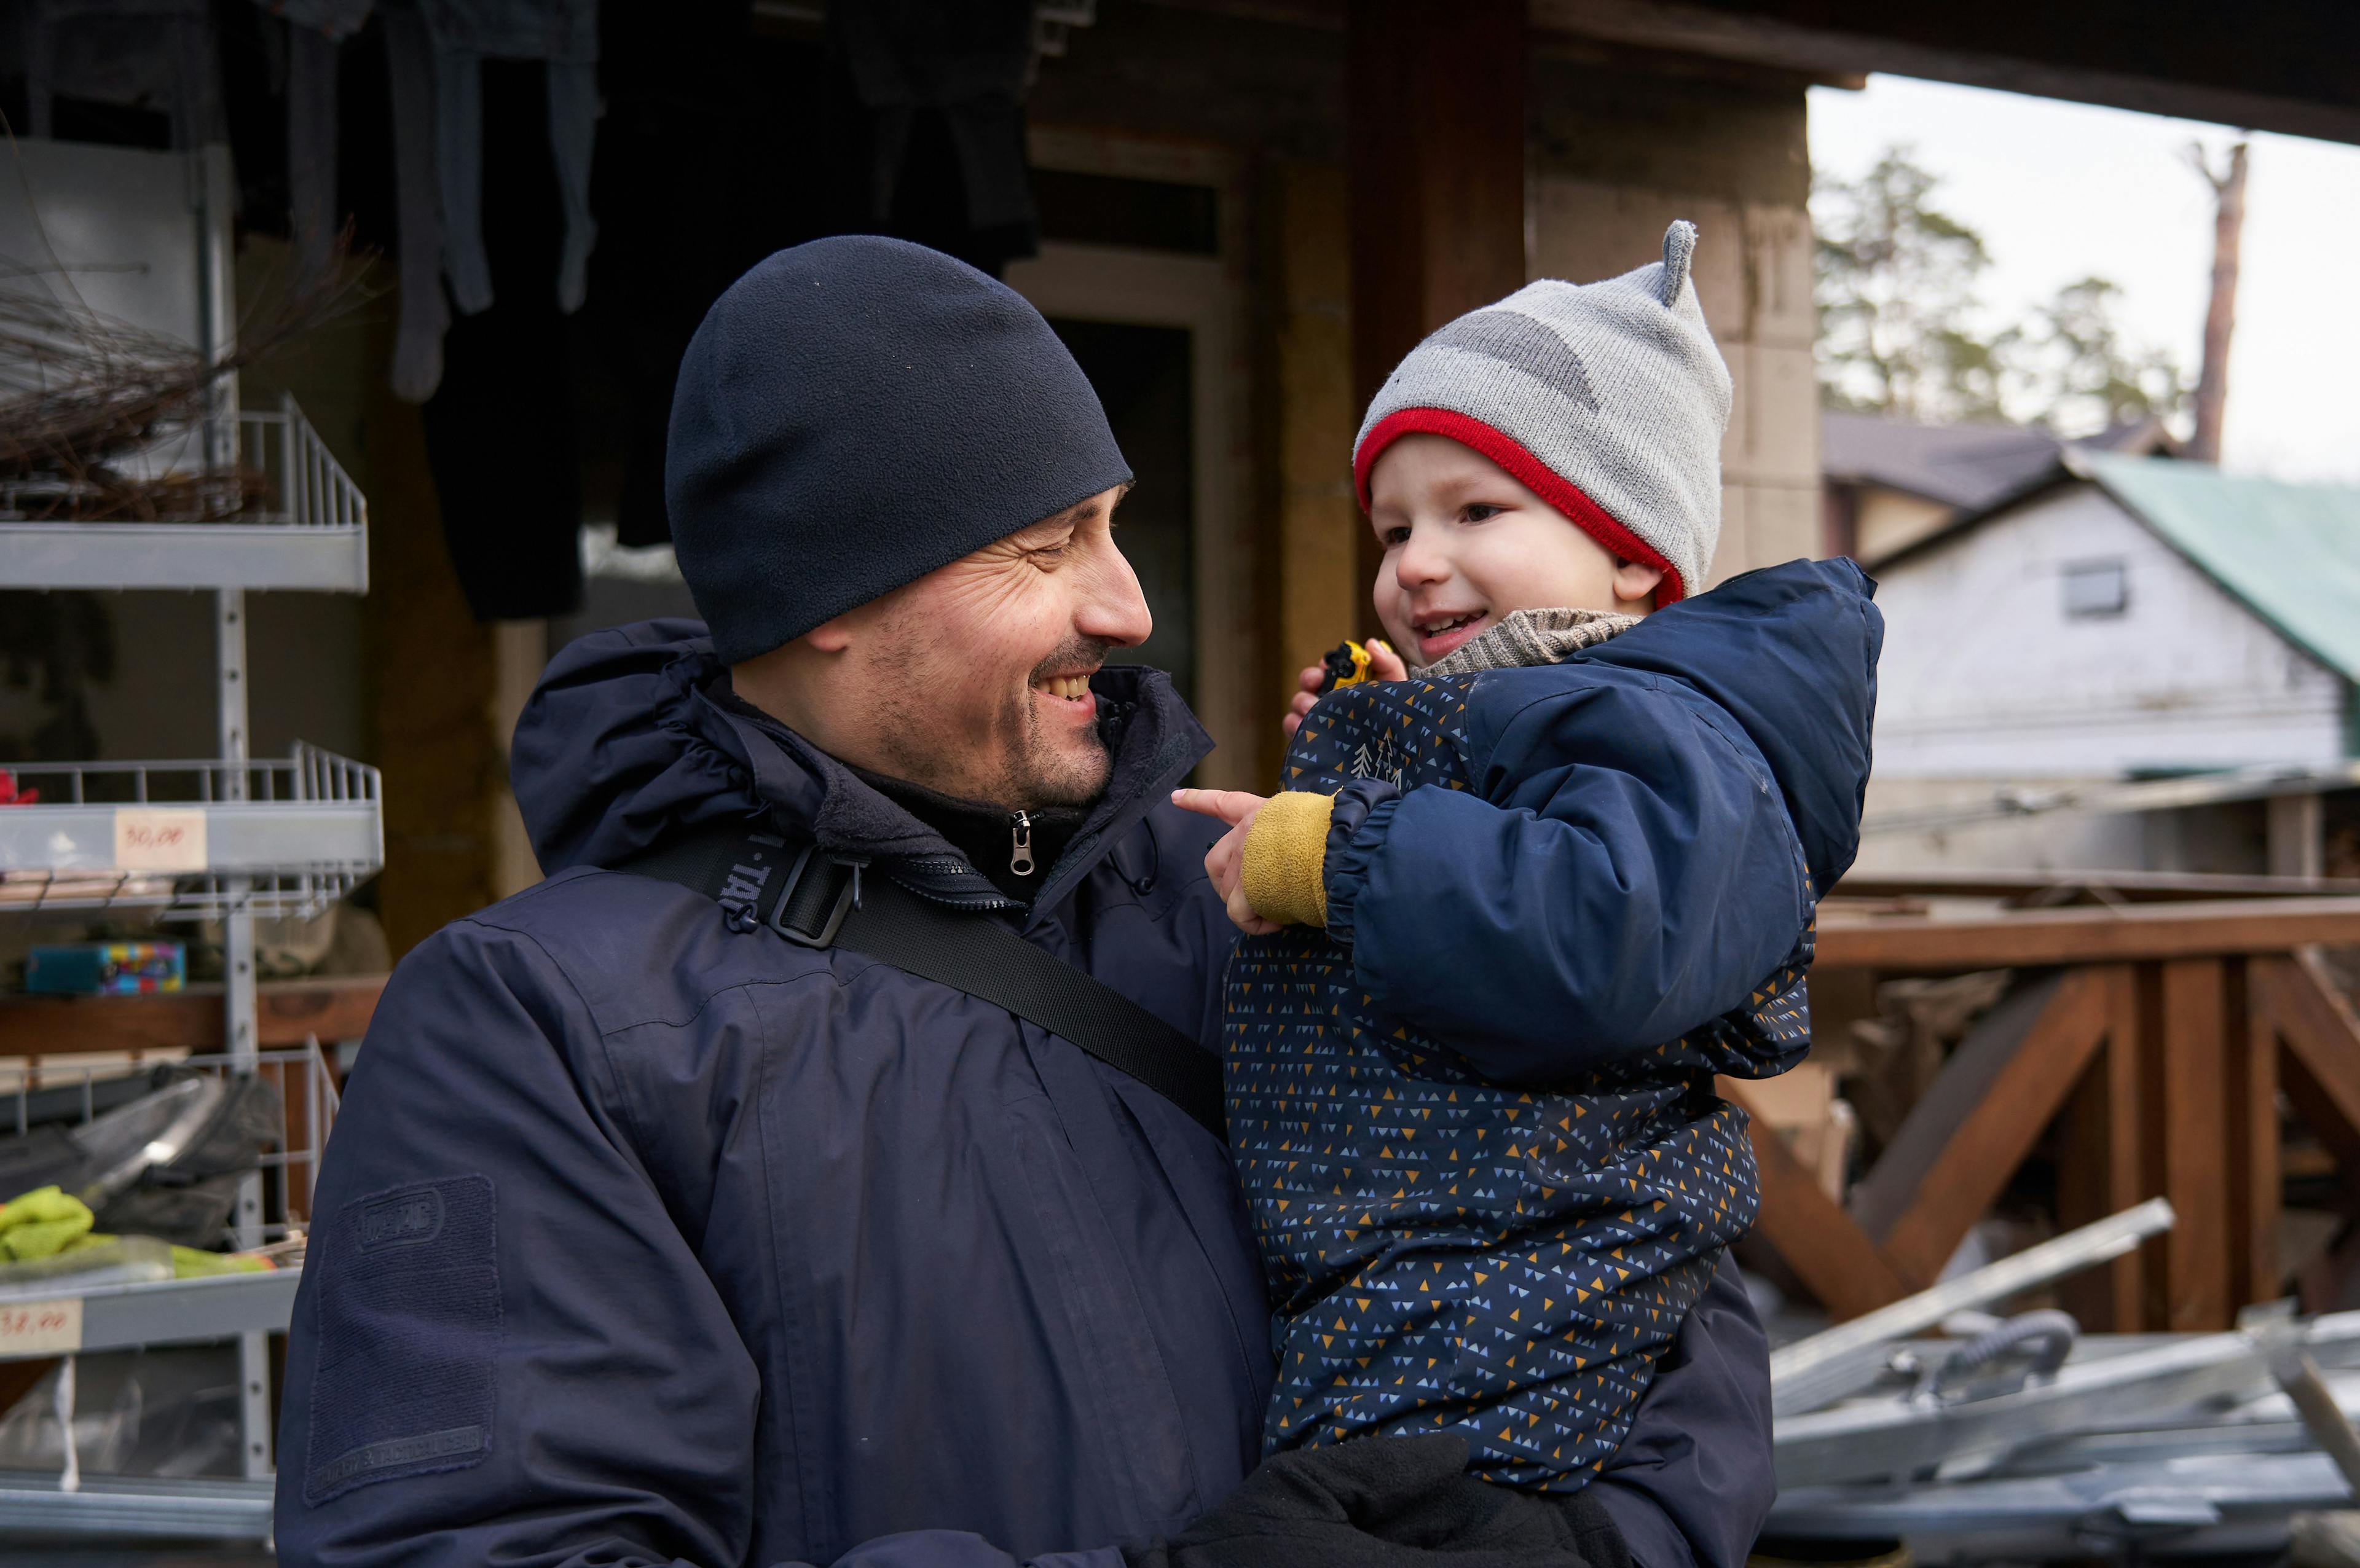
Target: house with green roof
{"type": "Point", "coordinates": [2125, 618]}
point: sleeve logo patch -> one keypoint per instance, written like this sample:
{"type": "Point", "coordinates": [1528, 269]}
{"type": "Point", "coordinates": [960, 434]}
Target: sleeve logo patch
{"type": "Point", "coordinates": [400, 1451]}
{"type": "Point", "coordinates": [405, 1219]}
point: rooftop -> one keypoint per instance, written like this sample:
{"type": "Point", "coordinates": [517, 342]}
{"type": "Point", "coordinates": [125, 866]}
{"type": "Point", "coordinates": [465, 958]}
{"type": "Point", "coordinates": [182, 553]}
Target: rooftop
{"type": "Point", "coordinates": [1966, 466]}
{"type": "Point", "coordinates": [2290, 553]}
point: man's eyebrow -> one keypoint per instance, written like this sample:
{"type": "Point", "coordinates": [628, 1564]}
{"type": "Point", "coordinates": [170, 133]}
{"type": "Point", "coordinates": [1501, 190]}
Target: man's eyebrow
{"type": "Point", "coordinates": [1074, 515]}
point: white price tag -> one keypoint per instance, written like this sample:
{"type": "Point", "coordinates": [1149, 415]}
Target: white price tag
{"type": "Point", "coordinates": [159, 838]}
{"type": "Point", "coordinates": [40, 1328]}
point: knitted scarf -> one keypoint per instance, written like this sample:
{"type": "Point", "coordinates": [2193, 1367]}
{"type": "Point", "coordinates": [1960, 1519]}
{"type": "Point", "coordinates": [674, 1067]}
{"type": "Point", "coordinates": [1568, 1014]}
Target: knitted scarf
{"type": "Point", "coordinates": [1522, 638]}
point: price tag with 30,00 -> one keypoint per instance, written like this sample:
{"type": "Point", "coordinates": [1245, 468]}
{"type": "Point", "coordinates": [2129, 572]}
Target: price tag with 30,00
{"type": "Point", "coordinates": [40, 1328]}
{"type": "Point", "coordinates": [159, 838]}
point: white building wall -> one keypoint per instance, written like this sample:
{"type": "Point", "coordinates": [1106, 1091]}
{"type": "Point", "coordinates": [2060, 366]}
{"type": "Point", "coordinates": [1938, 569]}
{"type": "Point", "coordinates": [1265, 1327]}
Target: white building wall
{"type": "Point", "coordinates": [1984, 676]}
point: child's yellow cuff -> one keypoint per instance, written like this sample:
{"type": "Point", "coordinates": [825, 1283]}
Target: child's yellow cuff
{"type": "Point", "coordinates": [1285, 869]}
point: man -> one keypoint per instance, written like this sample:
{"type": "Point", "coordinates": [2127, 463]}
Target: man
{"type": "Point", "coordinates": [649, 1236]}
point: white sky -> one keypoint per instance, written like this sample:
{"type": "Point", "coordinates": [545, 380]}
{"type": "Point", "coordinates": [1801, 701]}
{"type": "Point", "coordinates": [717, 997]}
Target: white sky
{"type": "Point", "coordinates": [2060, 191]}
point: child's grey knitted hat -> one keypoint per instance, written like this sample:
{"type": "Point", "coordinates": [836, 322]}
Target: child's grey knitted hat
{"type": "Point", "coordinates": [1607, 400]}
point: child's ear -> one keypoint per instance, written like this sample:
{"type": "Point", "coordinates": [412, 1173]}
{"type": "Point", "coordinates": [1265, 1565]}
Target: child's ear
{"type": "Point", "coordinates": [1635, 585]}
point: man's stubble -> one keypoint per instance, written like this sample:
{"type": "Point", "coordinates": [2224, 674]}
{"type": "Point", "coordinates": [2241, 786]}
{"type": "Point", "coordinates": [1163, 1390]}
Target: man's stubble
{"type": "Point", "coordinates": [926, 746]}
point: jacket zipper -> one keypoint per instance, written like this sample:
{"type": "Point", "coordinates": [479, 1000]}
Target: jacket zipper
{"type": "Point", "coordinates": [1020, 855]}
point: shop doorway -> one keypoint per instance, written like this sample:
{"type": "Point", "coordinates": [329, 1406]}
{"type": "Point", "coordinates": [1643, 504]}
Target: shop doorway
{"type": "Point", "coordinates": [1140, 273]}
{"type": "Point", "coordinates": [1141, 376]}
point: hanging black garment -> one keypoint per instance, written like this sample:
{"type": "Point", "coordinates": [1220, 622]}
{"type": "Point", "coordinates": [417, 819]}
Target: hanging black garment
{"type": "Point", "coordinates": [500, 429]}
{"type": "Point", "coordinates": [705, 165]}
{"type": "Point", "coordinates": [932, 143]}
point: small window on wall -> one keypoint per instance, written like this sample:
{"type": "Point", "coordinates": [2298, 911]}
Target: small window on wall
{"type": "Point", "coordinates": [2095, 588]}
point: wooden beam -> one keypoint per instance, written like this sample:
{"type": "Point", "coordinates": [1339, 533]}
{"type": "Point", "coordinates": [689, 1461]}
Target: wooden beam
{"type": "Point", "coordinates": [2193, 1129]}
{"type": "Point", "coordinates": [2321, 1110]}
{"type": "Point", "coordinates": [287, 1012]}
{"type": "Point", "coordinates": [2322, 1037]}
{"type": "Point", "coordinates": [1991, 1141]}
{"type": "Point", "coordinates": [2124, 886]}
{"type": "Point", "coordinates": [1435, 109]}
{"type": "Point", "coordinates": [2147, 932]}
{"type": "Point", "coordinates": [2099, 1173]}
{"type": "Point", "coordinates": [1939, 1104]}
{"type": "Point", "coordinates": [2237, 68]}
{"type": "Point", "coordinates": [1820, 1242]}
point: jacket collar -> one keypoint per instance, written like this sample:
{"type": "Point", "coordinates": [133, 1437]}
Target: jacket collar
{"type": "Point", "coordinates": [1153, 737]}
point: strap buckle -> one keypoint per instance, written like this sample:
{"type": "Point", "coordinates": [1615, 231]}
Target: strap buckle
{"type": "Point", "coordinates": [809, 913]}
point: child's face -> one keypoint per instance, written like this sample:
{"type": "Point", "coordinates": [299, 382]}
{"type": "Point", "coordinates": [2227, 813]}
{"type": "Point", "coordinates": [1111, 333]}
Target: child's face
{"type": "Point", "coordinates": [1465, 544]}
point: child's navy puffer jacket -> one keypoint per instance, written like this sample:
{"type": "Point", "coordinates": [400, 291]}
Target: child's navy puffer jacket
{"type": "Point", "coordinates": [1474, 1117]}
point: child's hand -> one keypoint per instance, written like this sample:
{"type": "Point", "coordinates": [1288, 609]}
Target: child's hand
{"type": "Point", "coordinates": [1384, 664]}
{"type": "Point", "coordinates": [1225, 862]}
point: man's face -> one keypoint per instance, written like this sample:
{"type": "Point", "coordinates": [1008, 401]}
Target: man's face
{"type": "Point", "coordinates": [974, 680]}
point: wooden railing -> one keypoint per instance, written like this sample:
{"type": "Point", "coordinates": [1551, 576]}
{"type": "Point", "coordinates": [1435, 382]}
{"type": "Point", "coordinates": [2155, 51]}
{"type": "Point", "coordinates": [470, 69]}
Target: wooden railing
{"type": "Point", "coordinates": [2162, 1033]}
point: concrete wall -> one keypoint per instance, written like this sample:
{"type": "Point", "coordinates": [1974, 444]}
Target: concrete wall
{"type": "Point", "coordinates": [1615, 157]}
{"type": "Point", "coordinates": [1984, 676]}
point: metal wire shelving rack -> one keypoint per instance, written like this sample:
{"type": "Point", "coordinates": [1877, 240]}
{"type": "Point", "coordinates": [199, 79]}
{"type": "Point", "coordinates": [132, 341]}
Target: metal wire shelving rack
{"type": "Point", "coordinates": [278, 837]}
{"type": "Point", "coordinates": [132, 1315]}
{"type": "Point", "coordinates": [308, 532]}
{"type": "Point", "coordinates": [226, 839]}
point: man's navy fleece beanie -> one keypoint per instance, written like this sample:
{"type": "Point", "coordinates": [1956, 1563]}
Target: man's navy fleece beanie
{"type": "Point", "coordinates": [854, 413]}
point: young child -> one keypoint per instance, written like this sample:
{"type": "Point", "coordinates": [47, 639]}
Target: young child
{"type": "Point", "coordinates": [1513, 912]}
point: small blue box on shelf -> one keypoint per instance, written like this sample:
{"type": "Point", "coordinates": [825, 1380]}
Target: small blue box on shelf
{"type": "Point", "coordinates": [106, 968]}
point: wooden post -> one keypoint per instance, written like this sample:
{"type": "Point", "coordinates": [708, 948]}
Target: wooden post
{"type": "Point", "coordinates": [2099, 1173]}
{"type": "Point", "coordinates": [2194, 1128]}
{"type": "Point", "coordinates": [432, 677]}
{"type": "Point", "coordinates": [1322, 595]}
{"type": "Point", "coordinates": [2254, 1135]}
{"type": "Point", "coordinates": [2296, 828]}
{"type": "Point", "coordinates": [1435, 111]}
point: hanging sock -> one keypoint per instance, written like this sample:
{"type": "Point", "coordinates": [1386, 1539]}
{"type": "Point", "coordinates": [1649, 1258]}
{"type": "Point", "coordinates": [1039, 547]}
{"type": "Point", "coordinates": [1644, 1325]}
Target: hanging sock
{"type": "Point", "coordinates": [311, 151]}
{"type": "Point", "coordinates": [565, 35]}
{"type": "Point", "coordinates": [418, 204]}
{"type": "Point", "coordinates": [315, 32]}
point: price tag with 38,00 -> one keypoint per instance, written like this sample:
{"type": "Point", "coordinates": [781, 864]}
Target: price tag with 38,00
{"type": "Point", "coordinates": [40, 1328]}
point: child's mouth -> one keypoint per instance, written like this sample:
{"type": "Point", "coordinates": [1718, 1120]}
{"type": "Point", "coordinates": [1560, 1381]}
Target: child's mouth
{"type": "Point", "coordinates": [1440, 635]}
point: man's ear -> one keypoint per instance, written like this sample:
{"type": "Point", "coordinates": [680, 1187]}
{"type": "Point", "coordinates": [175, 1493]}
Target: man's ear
{"type": "Point", "coordinates": [1635, 585]}
{"type": "Point", "coordinates": [832, 635]}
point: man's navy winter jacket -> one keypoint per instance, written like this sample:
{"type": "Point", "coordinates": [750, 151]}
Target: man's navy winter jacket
{"type": "Point", "coordinates": [642, 1240]}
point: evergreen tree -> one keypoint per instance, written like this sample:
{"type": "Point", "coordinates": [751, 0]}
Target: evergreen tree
{"type": "Point", "coordinates": [1900, 332]}
{"type": "Point", "coordinates": [1897, 296]}
{"type": "Point", "coordinates": [2078, 376]}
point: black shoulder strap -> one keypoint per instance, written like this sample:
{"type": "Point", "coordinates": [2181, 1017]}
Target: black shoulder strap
{"type": "Point", "coordinates": [816, 900]}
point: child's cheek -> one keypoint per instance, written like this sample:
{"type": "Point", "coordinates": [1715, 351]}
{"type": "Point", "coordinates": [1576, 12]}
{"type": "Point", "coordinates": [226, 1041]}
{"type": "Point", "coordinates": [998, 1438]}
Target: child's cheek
{"type": "Point", "coordinates": [1388, 600]}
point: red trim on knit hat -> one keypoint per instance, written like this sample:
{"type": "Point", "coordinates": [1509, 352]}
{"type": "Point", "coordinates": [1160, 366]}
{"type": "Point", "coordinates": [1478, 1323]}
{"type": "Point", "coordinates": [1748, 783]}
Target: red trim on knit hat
{"type": "Point", "coordinates": [1527, 470]}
